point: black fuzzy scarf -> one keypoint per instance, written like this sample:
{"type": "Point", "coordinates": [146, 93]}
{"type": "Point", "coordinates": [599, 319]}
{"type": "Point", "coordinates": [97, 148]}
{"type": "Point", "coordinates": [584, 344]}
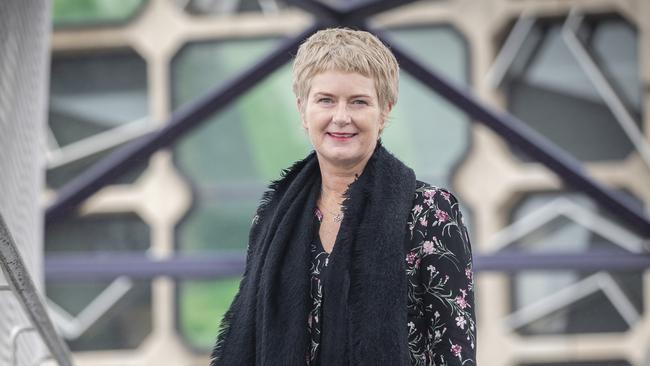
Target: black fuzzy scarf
{"type": "Point", "coordinates": [364, 310]}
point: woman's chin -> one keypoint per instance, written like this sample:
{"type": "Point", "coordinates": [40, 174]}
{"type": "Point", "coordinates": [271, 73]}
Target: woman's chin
{"type": "Point", "coordinates": [341, 159]}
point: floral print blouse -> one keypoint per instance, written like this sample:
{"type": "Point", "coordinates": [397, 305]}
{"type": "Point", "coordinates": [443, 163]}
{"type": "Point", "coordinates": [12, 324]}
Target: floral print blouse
{"type": "Point", "coordinates": [441, 321]}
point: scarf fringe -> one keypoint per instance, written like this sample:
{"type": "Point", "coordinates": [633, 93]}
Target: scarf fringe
{"type": "Point", "coordinates": [224, 329]}
{"type": "Point", "coordinates": [265, 202]}
{"type": "Point", "coordinates": [365, 318]}
{"type": "Point", "coordinates": [286, 177]}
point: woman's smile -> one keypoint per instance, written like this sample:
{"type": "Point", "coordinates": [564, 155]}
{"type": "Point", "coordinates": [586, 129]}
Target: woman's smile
{"type": "Point", "coordinates": [343, 119]}
{"type": "Point", "coordinates": [338, 136]}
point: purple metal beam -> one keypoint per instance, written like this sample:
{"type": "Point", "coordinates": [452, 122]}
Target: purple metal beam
{"type": "Point", "coordinates": [182, 121]}
{"type": "Point", "coordinates": [364, 10]}
{"type": "Point", "coordinates": [589, 261]}
{"type": "Point", "coordinates": [324, 12]}
{"type": "Point", "coordinates": [519, 134]}
{"type": "Point", "coordinates": [138, 266]}
{"type": "Point", "coordinates": [349, 13]}
{"type": "Point", "coordinates": [215, 266]}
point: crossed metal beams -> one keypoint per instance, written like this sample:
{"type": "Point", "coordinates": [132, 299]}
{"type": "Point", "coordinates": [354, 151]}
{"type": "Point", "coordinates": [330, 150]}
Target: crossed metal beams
{"type": "Point", "coordinates": [534, 144]}
{"type": "Point", "coordinates": [182, 121]}
{"type": "Point", "coordinates": [348, 13]}
{"type": "Point", "coordinates": [504, 124]}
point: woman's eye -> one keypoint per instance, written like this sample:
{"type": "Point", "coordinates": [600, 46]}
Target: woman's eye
{"type": "Point", "coordinates": [360, 101]}
{"type": "Point", "coordinates": [325, 100]}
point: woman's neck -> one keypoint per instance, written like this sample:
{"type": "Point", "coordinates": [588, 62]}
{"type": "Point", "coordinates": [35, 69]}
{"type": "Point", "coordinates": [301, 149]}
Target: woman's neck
{"type": "Point", "coordinates": [335, 182]}
{"type": "Point", "coordinates": [334, 186]}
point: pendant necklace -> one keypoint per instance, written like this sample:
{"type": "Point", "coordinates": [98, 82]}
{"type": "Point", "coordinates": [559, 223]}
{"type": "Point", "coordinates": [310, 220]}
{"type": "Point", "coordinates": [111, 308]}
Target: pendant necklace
{"type": "Point", "coordinates": [338, 217]}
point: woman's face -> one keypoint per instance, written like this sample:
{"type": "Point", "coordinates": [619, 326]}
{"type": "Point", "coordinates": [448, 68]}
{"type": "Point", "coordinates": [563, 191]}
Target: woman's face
{"type": "Point", "coordinates": [343, 118]}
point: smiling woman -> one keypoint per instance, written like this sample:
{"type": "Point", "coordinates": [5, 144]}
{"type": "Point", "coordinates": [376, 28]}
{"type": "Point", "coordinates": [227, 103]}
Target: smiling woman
{"type": "Point", "coordinates": [351, 260]}
{"type": "Point", "coordinates": [343, 119]}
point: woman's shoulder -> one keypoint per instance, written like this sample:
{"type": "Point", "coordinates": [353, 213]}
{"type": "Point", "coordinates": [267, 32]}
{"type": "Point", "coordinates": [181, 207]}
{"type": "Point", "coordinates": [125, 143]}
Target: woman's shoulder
{"type": "Point", "coordinates": [428, 194]}
{"type": "Point", "coordinates": [436, 215]}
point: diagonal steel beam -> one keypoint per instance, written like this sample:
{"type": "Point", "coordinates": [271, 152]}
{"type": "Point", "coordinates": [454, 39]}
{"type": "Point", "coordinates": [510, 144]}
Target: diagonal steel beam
{"type": "Point", "coordinates": [348, 13]}
{"type": "Point", "coordinates": [519, 134]}
{"type": "Point", "coordinates": [368, 8]}
{"type": "Point", "coordinates": [108, 169]}
{"type": "Point", "coordinates": [610, 96]}
{"type": "Point", "coordinates": [181, 122]}
{"type": "Point", "coordinates": [323, 12]}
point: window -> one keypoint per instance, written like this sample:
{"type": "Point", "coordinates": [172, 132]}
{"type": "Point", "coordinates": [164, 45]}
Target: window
{"type": "Point", "coordinates": [98, 102]}
{"type": "Point", "coordinates": [566, 301]}
{"type": "Point", "coordinates": [549, 90]}
{"type": "Point", "coordinates": [99, 314]}
{"type": "Point", "coordinates": [426, 132]}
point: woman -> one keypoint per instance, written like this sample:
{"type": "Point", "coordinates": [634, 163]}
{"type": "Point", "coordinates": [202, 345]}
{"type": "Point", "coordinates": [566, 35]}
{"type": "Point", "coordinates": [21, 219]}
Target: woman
{"type": "Point", "coordinates": [351, 260]}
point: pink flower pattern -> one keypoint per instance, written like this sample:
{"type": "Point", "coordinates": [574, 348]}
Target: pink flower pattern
{"type": "Point", "coordinates": [427, 247]}
{"type": "Point", "coordinates": [441, 215]}
{"type": "Point", "coordinates": [440, 282]}
{"type": "Point", "coordinates": [441, 321]}
{"type": "Point", "coordinates": [410, 258]}
{"type": "Point", "coordinates": [462, 303]}
{"type": "Point", "coordinates": [456, 350]}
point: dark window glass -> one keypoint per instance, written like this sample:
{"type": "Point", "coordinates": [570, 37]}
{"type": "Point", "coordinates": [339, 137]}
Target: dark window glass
{"type": "Point", "coordinates": [565, 301]}
{"type": "Point", "coordinates": [60, 175]}
{"type": "Point", "coordinates": [98, 102]}
{"type": "Point", "coordinates": [106, 232]}
{"type": "Point", "coordinates": [549, 90]}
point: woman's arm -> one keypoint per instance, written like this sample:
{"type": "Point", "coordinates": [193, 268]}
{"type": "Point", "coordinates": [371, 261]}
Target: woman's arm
{"type": "Point", "coordinates": [441, 258]}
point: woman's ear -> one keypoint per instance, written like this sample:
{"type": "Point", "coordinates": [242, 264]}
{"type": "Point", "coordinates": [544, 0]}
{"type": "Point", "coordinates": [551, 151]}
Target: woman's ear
{"type": "Point", "coordinates": [384, 117]}
{"type": "Point", "coordinates": [301, 111]}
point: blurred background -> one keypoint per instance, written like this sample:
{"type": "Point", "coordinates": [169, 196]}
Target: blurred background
{"type": "Point", "coordinates": [137, 259]}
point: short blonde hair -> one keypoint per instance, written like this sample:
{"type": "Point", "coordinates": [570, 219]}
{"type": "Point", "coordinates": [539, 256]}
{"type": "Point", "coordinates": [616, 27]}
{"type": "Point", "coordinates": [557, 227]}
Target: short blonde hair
{"type": "Point", "coordinates": [347, 50]}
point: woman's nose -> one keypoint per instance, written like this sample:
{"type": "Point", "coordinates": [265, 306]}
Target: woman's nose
{"type": "Point", "coordinates": [341, 115]}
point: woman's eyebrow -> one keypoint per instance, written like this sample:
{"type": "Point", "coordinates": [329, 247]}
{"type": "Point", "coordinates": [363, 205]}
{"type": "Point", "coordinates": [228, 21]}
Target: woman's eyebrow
{"type": "Point", "coordinates": [350, 97]}
{"type": "Point", "coordinates": [323, 93]}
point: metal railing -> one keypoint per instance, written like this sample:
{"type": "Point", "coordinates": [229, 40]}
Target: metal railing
{"type": "Point", "coordinates": [22, 286]}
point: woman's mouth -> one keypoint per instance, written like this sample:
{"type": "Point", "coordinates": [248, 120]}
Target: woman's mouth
{"type": "Point", "coordinates": [341, 136]}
